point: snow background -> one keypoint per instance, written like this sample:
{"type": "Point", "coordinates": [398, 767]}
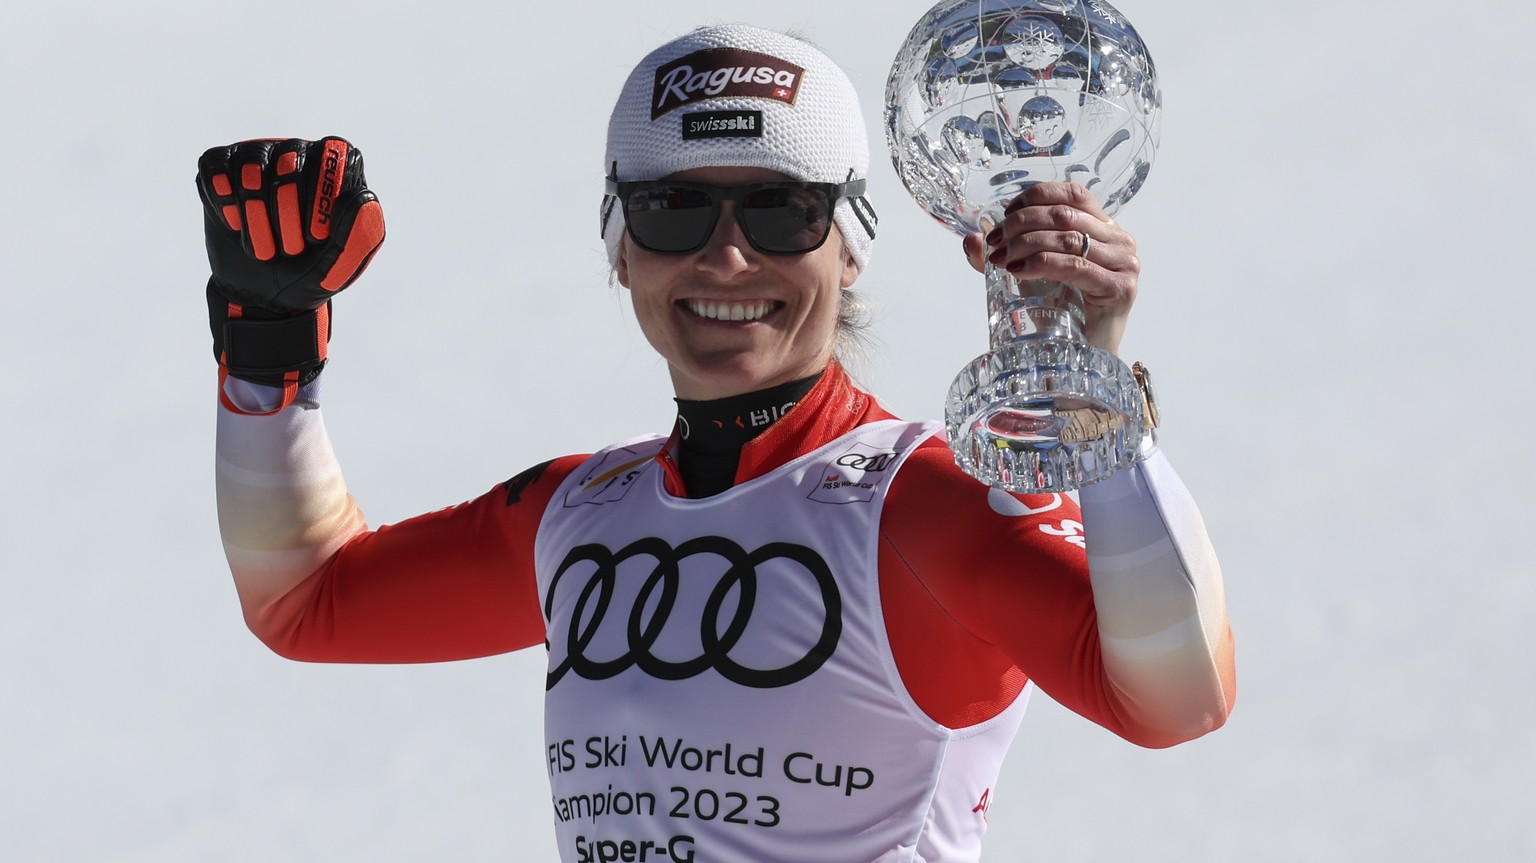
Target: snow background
{"type": "Point", "coordinates": [1330, 301]}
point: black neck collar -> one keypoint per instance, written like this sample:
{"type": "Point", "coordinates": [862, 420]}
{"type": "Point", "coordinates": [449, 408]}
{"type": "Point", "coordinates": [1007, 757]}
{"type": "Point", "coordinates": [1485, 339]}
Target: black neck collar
{"type": "Point", "coordinates": [712, 433]}
{"type": "Point", "coordinates": [725, 425]}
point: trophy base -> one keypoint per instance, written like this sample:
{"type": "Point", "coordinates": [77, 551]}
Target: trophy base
{"type": "Point", "coordinates": [1044, 415]}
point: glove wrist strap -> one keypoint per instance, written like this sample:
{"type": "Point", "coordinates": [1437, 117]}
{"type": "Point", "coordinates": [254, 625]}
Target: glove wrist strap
{"type": "Point", "coordinates": [285, 351]}
{"type": "Point", "coordinates": [266, 351]}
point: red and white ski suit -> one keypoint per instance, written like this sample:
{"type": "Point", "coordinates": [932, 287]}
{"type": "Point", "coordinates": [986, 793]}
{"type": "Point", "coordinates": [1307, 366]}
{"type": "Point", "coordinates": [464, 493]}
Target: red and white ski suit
{"type": "Point", "coordinates": [670, 740]}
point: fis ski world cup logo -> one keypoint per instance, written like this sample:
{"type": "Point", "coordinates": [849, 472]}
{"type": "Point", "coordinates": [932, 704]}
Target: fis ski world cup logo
{"type": "Point", "coordinates": [720, 73]}
{"type": "Point", "coordinates": [853, 476]}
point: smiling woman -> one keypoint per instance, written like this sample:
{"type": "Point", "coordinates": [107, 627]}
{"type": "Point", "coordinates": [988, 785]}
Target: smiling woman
{"type": "Point", "coordinates": [789, 628]}
{"type": "Point", "coordinates": [728, 318]}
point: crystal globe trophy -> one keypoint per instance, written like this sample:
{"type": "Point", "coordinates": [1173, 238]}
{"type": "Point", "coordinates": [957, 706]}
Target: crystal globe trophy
{"type": "Point", "coordinates": [986, 98]}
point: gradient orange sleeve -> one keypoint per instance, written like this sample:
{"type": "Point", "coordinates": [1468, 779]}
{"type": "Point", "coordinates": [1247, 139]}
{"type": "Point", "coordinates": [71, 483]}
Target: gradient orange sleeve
{"type": "Point", "coordinates": [317, 584]}
{"type": "Point", "coordinates": [983, 590]}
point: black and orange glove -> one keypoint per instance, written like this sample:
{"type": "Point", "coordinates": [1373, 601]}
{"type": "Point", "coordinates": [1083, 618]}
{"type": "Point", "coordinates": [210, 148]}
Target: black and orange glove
{"type": "Point", "coordinates": [288, 223]}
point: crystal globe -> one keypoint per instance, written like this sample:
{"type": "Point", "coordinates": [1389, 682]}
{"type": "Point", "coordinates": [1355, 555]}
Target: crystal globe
{"type": "Point", "coordinates": [988, 97]}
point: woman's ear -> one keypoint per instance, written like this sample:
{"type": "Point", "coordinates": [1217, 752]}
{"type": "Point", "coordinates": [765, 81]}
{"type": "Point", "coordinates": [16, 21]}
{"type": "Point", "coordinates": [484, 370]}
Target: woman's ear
{"type": "Point", "coordinates": [621, 266]}
{"type": "Point", "coordinates": [850, 268]}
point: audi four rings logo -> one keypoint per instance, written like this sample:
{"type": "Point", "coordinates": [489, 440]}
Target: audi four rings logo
{"type": "Point", "coordinates": [656, 601]}
{"type": "Point", "coordinates": [868, 463]}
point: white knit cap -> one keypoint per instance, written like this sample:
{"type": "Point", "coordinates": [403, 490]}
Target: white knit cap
{"type": "Point", "coordinates": [740, 96]}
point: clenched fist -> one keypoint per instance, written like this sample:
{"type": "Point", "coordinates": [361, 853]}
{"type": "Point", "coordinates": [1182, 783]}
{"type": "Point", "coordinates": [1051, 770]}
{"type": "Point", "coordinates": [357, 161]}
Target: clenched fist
{"type": "Point", "coordinates": [288, 224]}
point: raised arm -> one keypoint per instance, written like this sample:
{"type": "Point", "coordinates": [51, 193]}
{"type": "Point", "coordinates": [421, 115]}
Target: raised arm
{"type": "Point", "coordinates": [1118, 609]}
{"type": "Point", "coordinates": [288, 225]}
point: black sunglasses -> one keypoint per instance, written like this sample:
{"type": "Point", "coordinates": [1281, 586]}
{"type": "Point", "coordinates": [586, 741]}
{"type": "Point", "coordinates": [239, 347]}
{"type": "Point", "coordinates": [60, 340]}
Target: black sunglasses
{"type": "Point", "coordinates": [784, 218]}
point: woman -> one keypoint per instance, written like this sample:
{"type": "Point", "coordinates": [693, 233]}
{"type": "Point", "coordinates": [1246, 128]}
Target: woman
{"type": "Point", "coordinates": [791, 629]}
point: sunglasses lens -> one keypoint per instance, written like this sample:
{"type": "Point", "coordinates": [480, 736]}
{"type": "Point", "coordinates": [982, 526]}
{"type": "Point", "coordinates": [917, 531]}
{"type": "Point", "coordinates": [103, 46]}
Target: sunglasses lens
{"type": "Point", "coordinates": [787, 219]}
{"type": "Point", "coordinates": [670, 218]}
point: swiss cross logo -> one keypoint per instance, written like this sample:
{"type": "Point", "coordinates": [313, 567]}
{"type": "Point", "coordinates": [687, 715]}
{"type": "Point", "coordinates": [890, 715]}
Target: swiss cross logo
{"type": "Point", "coordinates": [781, 93]}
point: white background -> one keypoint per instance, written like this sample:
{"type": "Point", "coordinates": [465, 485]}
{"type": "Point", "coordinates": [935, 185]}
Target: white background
{"type": "Point", "coordinates": [1335, 299]}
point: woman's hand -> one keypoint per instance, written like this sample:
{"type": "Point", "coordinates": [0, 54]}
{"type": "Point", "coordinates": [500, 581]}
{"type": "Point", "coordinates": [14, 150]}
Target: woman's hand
{"type": "Point", "coordinates": [1043, 236]}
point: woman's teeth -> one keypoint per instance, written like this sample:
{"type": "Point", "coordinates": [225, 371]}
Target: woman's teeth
{"type": "Point", "coordinates": [729, 311]}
